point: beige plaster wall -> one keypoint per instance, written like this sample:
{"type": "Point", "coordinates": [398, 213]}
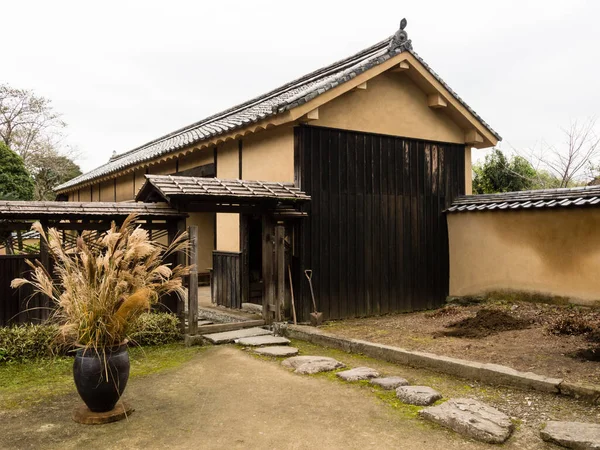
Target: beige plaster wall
{"type": "Point", "coordinates": [392, 104]}
{"type": "Point", "coordinates": [555, 252]}
{"type": "Point", "coordinates": [125, 188]}
{"type": "Point", "coordinates": [196, 158]}
{"type": "Point", "coordinates": [228, 225]}
{"type": "Point", "coordinates": [269, 156]}
{"type": "Point", "coordinates": [107, 191]}
{"type": "Point", "coordinates": [468, 171]}
{"type": "Point", "coordinates": [206, 238]}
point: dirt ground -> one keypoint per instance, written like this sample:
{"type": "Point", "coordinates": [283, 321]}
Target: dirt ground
{"type": "Point", "coordinates": [515, 334]}
{"type": "Point", "coordinates": [225, 398]}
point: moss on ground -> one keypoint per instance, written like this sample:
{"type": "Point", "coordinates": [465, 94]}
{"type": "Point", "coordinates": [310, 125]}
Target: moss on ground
{"type": "Point", "coordinates": [28, 383]}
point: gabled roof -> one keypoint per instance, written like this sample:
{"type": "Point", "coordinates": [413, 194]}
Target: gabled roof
{"type": "Point", "coordinates": [169, 188]}
{"type": "Point", "coordinates": [277, 101]}
{"type": "Point", "coordinates": [540, 199]}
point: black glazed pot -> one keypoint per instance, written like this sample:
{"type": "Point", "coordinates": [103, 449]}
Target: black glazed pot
{"type": "Point", "coordinates": [99, 391]}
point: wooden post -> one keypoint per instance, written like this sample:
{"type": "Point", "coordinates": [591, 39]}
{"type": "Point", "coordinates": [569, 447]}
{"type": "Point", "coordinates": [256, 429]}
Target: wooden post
{"type": "Point", "coordinates": [180, 260]}
{"type": "Point", "coordinates": [268, 269]}
{"type": "Point", "coordinates": [45, 261]}
{"type": "Point", "coordinates": [193, 285]}
{"type": "Point", "coordinates": [280, 271]}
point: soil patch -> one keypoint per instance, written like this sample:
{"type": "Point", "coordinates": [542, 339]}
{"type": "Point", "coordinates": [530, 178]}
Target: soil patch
{"type": "Point", "coordinates": [533, 348]}
{"type": "Point", "coordinates": [485, 323]}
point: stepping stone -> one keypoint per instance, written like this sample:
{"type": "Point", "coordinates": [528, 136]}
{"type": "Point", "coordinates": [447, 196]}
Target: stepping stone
{"type": "Point", "coordinates": [418, 395]}
{"type": "Point", "coordinates": [471, 418]}
{"type": "Point", "coordinates": [257, 341]}
{"type": "Point", "coordinates": [251, 307]}
{"type": "Point", "coordinates": [230, 336]}
{"type": "Point", "coordinates": [389, 383]}
{"type": "Point", "coordinates": [576, 435]}
{"type": "Point", "coordinates": [204, 322]}
{"type": "Point", "coordinates": [358, 373]}
{"type": "Point", "coordinates": [277, 350]}
{"type": "Point", "coordinates": [307, 365]}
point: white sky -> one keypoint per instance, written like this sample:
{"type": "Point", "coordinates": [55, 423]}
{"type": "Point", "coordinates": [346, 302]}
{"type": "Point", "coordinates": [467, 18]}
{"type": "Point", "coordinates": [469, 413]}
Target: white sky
{"type": "Point", "coordinates": [125, 72]}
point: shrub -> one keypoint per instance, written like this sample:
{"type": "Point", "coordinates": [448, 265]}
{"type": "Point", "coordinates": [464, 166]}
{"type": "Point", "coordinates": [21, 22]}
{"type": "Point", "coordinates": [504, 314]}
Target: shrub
{"type": "Point", "coordinates": [23, 342]}
{"type": "Point", "coordinates": [570, 325]}
{"type": "Point", "coordinates": [155, 329]}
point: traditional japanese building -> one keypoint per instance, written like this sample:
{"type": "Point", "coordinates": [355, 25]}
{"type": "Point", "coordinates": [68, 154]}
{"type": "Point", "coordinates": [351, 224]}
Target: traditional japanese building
{"type": "Point", "coordinates": [345, 171]}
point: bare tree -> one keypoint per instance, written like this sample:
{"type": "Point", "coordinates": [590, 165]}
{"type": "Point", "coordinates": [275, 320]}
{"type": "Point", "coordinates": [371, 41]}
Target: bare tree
{"type": "Point", "coordinates": [30, 127]}
{"type": "Point", "coordinates": [572, 162]}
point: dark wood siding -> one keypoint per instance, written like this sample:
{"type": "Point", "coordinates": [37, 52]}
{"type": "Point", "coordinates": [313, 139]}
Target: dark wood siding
{"type": "Point", "coordinates": [376, 237]}
{"type": "Point", "coordinates": [18, 305]}
{"type": "Point", "coordinates": [226, 279]}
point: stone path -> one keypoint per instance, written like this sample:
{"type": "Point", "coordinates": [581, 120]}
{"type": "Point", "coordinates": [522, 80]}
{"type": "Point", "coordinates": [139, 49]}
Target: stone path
{"type": "Point", "coordinates": [229, 336]}
{"type": "Point", "coordinates": [276, 350]}
{"type": "Point", "coordinates": [471, 418]}
{"type": "Point", "coordinates": [308, 365]}
{"type": "Point", "coordinates": [389, 383]}
{"type": "Point", "coordinates": [418, 395]}
{"type": "Point", "coordinates": [358, 373]}
{"type": "Point", "coordinates": [577, 435]}
{"type": "Point", "coordinates": [257, 341]}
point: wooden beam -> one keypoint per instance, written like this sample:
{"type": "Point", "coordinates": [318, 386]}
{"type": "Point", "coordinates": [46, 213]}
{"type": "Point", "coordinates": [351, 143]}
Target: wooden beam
{"type": "Point", "coordinates": [436, 101]}
{"type": "Point", "coordinates": [193, 283]}
{"type": "Point", "coordinates": [361, 87]}
{"type": "Point", "coordinates": [280, 271]}
{"type": "Point", "coordinates": [310, 116]}
{"type": "Point", "coordinates": [268, 268]}
{"type": "Point", "coordinates": [181, 260]}
{"type": "Point", "coordinates": [473, 137]}
{"type": "Point", "coordinates": [400, 67]}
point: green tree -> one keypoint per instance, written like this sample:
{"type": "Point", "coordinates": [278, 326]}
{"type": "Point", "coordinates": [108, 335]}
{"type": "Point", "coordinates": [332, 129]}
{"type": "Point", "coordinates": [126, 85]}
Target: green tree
{"type": "Point", "coordinates": [49, 170]}
{"type": "Point", "coordinates": [501, 174]}
{"type": "Point", "coordinates": [15, 181]}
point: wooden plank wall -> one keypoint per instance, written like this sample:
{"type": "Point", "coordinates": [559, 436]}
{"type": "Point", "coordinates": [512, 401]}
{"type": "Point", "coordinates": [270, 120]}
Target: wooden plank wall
{"type": "Point", "coordinates": [227, 280]}
{"type": "Point", "coordinates": [16, 306]}
{"type": "Point", "coordinates": [376, 238]}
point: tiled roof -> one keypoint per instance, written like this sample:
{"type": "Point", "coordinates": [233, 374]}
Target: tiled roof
{"type": "Point", "coordinates": [60, 210]}
{"type": "Point", "coordinates": [169, 187]}
{"type": "Point", "coordinates": [284, 98]}
{"type": "Point", "coordinates": [546, 198]}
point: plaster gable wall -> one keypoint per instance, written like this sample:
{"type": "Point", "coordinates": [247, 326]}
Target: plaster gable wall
{"type": "Point", "coordinates": [392, 104]}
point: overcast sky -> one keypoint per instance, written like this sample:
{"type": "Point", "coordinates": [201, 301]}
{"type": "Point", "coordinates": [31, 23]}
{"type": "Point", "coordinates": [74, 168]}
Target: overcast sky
{"type": "Point", "coordinates": [125, 72]}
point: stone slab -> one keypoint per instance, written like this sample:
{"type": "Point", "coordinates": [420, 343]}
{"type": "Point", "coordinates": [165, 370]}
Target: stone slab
{"type": "Point", "coordinates": [82, 414]}
{"type": "Point", "coordinates": [585, 391]}
{"type": "Point", "coordinates": [490, 373]}
{"type": "Point", "coordinates": [201, 323]}
{"type": "Point", "coordinates": [418, 395]}
{"type": "Point", "coordinates": [471, 418]}
{"type": "Point", "coordinates": [277, 350]}
{"type": "Point", "coordinates": [358, 373]}
{"type": "Point", "coordinates": [312, 364]}
{"type": "Point", "coordinates": [257, 341]}
{"type": "Point", "coordinates": [389, 383]}
{"type": "Point", "coordinates": [576, 435]}
{"type": "Point", "coordinates": [253, 308]}
{"type": "Point", "coordinates": [230, 336]}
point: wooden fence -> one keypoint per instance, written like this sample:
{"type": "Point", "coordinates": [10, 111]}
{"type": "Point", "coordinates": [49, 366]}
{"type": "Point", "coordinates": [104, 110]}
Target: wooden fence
{"type": "Point", "coordinates": [18, 305]}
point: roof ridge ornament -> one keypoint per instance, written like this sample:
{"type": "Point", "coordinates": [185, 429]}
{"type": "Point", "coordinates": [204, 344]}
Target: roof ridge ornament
{"type": "Point", "coordinates": [400, 41]}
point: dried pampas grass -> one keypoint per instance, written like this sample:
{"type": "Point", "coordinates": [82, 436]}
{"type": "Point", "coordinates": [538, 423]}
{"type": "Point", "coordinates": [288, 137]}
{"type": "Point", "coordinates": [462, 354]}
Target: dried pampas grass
{"type": "Point", "coordinates": [106, 283]}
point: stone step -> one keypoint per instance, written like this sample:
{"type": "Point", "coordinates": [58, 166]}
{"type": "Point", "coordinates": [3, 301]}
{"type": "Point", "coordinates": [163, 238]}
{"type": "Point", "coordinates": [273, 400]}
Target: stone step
{"type": "Point", "coordinates": [230, 336]}
{"type": "Point", "coordinates": [471, 418]}
{"type": "Point", "coordinates": [357, 374]}
{"type": "Point", "coordinates": [389, 383]}
{"type": "Point", "coordinates": [258, 341]}
{"type": "Point", "coordinates": [572, 434]}
{"type": "Point", "coordinates": [308, 365]}
{"type": "Point", "coordinates": [201, 323]}
{"type": "Point", "coordinates": [277, 350]}
{"type": "Point", "coordinates": [418, 395]}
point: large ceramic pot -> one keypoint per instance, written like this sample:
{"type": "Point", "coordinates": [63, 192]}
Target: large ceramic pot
{"type": "Point", "coordinates": [101, 378]}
